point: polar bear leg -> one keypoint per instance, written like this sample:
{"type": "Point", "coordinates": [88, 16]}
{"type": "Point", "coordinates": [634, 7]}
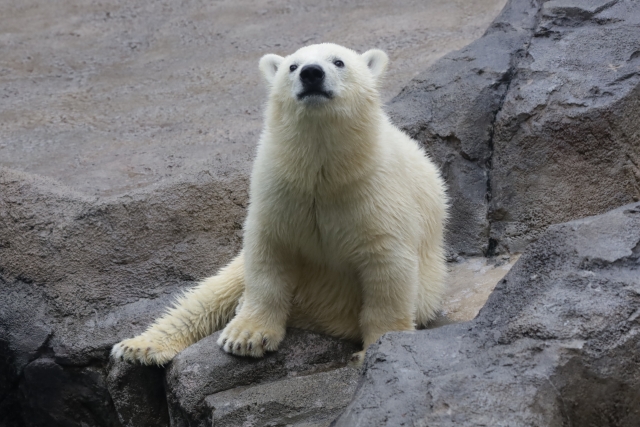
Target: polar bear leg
{"type": "Point", "coordinates": [389, 287]}
{"type": "Point", "coordinates": [433, 274]}
{"type": "Point", "coordinates": [261, 322]}
{"type": "Point", "coordinates": [198, 313]}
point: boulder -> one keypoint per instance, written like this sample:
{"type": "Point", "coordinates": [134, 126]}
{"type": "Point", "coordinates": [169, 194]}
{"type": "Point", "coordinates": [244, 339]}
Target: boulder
{"type": "Point", "coordinates": [451, 109]}
{"type": "Point", "coordinates": [306, 380]}
{"type": "Point", "coordinates": [567, 139]}
{"type": "Point", "coordinates": [534, 123]}
{"type": "Point", "coordinates": [203, 380]}
{"type": "Point", "coordinates": [309, 401]}
{"type": "Point", "coordinates": [557, 343]}
{"type": "Point", "coordinates": [77, 274]}
{"type": "Point", "coordinates": [138, 394]}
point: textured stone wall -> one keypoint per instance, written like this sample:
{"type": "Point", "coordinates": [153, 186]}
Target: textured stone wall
{"type": "Point", "coordinates": [535, 122]}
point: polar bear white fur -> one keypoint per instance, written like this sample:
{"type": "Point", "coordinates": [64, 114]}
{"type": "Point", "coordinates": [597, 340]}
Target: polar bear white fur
{"type": "Point", "coordinates": [344, 232]}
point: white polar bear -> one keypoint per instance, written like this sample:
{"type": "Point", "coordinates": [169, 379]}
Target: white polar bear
{"type": "Point", "coordinates": [344, 232]}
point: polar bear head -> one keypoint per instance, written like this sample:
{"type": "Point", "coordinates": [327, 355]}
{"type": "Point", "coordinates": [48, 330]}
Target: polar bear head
{"type": "Point", "coordinates": [324, 77]}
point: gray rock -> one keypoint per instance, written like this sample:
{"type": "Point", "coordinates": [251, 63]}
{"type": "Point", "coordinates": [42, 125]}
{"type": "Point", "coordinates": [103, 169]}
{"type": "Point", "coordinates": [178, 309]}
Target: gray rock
{"type": "Point", "coordinates": [204, 369]}
{"type": "Point", "coordinates": [557, 343]}
{"type": "Point", "coordinates": [138, 394]}
{"type": "Point", "coordinates": [567, 139]}
{"type": "Point", "coordinates": [310, 400]}
{"type": "Point", "coordinates": [58, 395]}
{"type": "Point", "coordinates": [451, 109]}
{"type": "Point", "coordinates": [534, 123]}
{"type": "Point", "coordinates": [77, 274]}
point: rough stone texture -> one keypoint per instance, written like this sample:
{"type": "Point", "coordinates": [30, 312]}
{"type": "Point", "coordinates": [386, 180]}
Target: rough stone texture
{"type": "Point", "coordinates": [138, 394]}
{"type": "Point", "coordinates": [56, 394]}
{"type": "Point", "coordinates": [535, 123]}
{"type": "Point", "coordinates": [78, 274]}
{"type": "Point", "coordinates": [567, 139]}
{"type": "Point", "coordinates": [111, 96]}
{"type": "Point", "coordinates": [557, 344]}
{"type": "Point", "coordinates": [313, 400]}
{"type": "Point", "coordinates": [451, 109]}
{"type": "Point", "coordinates": [204, 369]}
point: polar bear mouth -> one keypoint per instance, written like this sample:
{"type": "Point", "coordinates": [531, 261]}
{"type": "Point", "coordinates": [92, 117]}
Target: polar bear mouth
{"type": "Point", "coordinates": [315, 93]}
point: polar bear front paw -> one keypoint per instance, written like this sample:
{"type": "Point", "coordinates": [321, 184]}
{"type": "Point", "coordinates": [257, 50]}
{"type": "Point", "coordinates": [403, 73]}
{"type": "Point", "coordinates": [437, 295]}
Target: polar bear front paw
{"type": "Point", "coordinates": [357, 359]}
{"type": "Point", "coordinates": [244, 337]}
{"type": "Point", "coordinates": [143, 350]}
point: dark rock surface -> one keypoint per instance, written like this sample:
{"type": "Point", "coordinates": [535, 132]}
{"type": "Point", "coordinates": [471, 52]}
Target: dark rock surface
{"type": "Point", "coordinates": [451, 109]}
{"type": "Point", "coordinates": [199, 377]}
{"type": "Point", "coordinates": [78, 274]}
{"type": "Point", "coordinates": [567, 139]}
{"type": "Point", "coordinates": [535, 123]}
{"type": "Point", "coordinates": [309, 401]}
{"type": "Point", "coordinates": [305, 380]}
{"type": "Point", "coordinates": [138, 394]}
{"type": "Point", "coordinates": [557, 344]}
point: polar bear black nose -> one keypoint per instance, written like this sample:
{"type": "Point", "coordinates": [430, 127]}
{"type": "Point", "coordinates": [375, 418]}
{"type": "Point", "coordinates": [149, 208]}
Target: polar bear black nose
{"type": "Point", "coordinates": [312, 75]}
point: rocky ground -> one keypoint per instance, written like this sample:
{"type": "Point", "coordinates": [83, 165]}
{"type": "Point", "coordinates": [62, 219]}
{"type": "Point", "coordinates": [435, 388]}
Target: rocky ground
{"type": "Point", "coordinates": [557, 344]}
{"type": "Point", "coordinates": [533, 124]}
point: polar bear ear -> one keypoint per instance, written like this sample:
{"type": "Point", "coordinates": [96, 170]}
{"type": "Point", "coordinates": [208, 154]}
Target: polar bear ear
{"type": "Point", "coordinates": [376, 61]}
{"type": "Point", "coordinates": [269, 66]}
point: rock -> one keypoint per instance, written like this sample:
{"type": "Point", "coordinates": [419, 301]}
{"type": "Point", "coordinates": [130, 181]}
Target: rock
{"type": "Point", "coordinates": [566, 140]}
{"type": "Point", "coordinates": [204, 370]}
{"type": "Point", "coordinates": [315, 400]}
{"type": "Point", "coordinates": [77, 274]}
{"type": "Point", "coordinates": [55, 394]}
{"type": "Point", "coordinates": [534, 123]}
{"type": "Point", "coordinates": [451, 108]}
{"type": "Point", "coordinates": [556, 344]}
{"type": "Point", "coordinates": [138, 394]}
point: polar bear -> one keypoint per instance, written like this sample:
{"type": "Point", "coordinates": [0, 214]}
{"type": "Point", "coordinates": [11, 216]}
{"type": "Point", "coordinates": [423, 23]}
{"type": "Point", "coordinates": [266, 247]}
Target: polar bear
{"type": "Point", "coordinates": [344, 230]}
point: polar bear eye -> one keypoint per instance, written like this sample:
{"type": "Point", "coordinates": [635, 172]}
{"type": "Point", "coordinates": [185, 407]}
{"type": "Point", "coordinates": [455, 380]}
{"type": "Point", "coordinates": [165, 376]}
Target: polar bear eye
{"type": "Point", "coordinates": [293, 68]}
{"type": "Point", "coordinates": [338, 63]}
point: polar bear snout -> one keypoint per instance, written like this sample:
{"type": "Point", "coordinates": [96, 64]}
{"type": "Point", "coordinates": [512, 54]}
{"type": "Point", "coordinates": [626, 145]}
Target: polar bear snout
{"type": "Point", "coordinates": [312, 77]}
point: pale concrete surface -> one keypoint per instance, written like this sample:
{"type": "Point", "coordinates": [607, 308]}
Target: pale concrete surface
{"type": "Point", "coordinates": [470, 284]}
{"type": "Point", "coordinates": [111, 96]}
